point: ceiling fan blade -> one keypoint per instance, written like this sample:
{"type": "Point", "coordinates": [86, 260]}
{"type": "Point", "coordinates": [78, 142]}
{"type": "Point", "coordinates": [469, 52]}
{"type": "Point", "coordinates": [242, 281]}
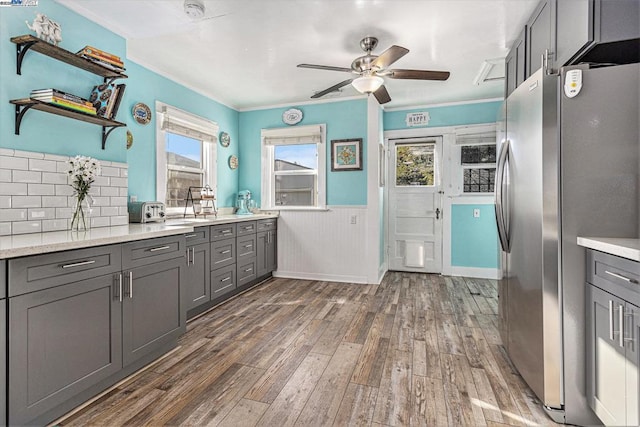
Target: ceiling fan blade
{"type": "Point", "coordinates": [382, 95]}
{"type": "Point", "coordinates": [418, 74]}
{"type": "Point", "coordinates": [389, 56]}
{"type": "Point", "coordinates": [332, 88]}
{"type": "Point", "coordinates": [325, 67]}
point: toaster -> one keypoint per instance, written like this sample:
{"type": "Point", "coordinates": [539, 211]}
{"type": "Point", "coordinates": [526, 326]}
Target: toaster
{"type": "Point", "coordinates": [143, 212]}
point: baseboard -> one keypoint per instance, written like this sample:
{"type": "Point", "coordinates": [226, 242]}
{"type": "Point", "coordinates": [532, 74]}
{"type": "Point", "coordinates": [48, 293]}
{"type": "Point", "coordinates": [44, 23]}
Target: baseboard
{"type": "Point", "coordinates": [381, 272]}
{"type": "Point", "coordinates": [318, 276]}
{"type": "Point", "coordinates": [476, 272]}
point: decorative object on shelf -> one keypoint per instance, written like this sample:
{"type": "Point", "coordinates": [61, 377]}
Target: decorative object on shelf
{"type": "Point", "coordinates": [225, 139]}
{"type": "Point", "coordinates": [129, 139]}
{"type": "Point", "coordinates": [292, 116]}
{"type": "Point", "coordinates": [141, 113]}
{"type": "Point", "coordinates": [203, 201]}
{"type": "Point", "coordinates": [346, 154]}
{"type": "Point", "coordinates": [106, 99]}
{"type": "Point", "coordinates": [82, 171]}
{"type": "Point", "coordinates": [46, 29]}
{"type": "Point", "coordinates": [233, 162]}
{"type": "Point", "coordinates": [103, 58]}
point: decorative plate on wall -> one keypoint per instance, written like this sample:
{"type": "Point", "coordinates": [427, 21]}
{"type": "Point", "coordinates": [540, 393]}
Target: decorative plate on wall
{"type": "Point", "coordinates": [292, 116]}
{"type": "Point", "coordinates": [233, 162]}
{"type": "Point", "coordinates": [141, 113]}
{"type": "Point", "coordinates": [225, 139]}
{"type": "Point", "coordinates": [129, 139]}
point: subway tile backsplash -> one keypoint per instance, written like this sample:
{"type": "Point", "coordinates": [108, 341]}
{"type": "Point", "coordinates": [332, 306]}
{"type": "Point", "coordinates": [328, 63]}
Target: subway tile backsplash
{"type": "Point", "coordinates": [35, 194]}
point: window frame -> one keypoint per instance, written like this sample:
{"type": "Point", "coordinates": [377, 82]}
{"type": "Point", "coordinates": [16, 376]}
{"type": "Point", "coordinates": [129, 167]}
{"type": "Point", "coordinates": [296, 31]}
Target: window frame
{"type": "Point", "coordinates": [474, 135]}
{"type": "Point", "coordinates": [268, 173]}
{"type": "Point", "coordinates": [209, 151]}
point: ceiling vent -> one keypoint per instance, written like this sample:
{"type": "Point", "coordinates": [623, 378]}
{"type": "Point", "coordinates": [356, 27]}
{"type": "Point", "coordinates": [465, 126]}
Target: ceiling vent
{"type": "Point", "coordinates": [490, 70]}
{"type": "Point", "coordinates": [194, 8]}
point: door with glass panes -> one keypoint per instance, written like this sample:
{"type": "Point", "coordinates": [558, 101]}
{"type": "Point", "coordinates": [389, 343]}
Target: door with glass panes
{"type": "Point", "coordinates": [415, 205]}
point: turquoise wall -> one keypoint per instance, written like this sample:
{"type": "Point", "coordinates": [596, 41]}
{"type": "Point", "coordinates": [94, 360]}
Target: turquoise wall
{"type": "Point", "coordinates": [59, 135]}
{"type": "Point", "coordinates": [474, 241]}
{"type": "Point", "coordinates": [452, 115]}
{"type": "Point", "coordinates": [346, 119]}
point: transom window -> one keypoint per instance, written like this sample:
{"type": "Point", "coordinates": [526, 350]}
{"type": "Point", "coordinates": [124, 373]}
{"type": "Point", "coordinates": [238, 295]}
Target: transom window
{"type": "Point", "coordinates": [185, 156]}
{"type": "Point", "coordinates": [293, 167]}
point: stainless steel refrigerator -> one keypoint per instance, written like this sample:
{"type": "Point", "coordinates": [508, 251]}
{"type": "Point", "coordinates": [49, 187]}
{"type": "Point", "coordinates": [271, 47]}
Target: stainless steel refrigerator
{"type": "Point", "coordinates": [567, 167]}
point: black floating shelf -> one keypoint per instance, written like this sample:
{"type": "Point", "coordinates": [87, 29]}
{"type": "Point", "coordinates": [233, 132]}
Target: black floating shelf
{"type": "Point", "coordinates": [24, 105]}
{"type": "Point", "coordinates": [28, 42]}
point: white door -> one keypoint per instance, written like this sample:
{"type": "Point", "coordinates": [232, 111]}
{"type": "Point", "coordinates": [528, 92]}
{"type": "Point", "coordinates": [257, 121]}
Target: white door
{"type": "Point", "coordinates": [415, 210]}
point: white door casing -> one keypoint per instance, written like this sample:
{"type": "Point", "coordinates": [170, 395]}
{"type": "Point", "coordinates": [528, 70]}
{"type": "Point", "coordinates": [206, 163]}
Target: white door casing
{"type": "Point", "coordinates": [415, 212]}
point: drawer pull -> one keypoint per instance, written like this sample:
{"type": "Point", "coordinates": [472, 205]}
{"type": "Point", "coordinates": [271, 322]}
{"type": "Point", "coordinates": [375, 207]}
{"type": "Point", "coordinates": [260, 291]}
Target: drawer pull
{"type": "Point", "coordinates": [188, 236]}
{"type": "Point", "coordinates": [249, 227]}
{"type": "Point", "coordinates": [226, 252]}
{"type": "Point", "coordinates": [621, 277]}
{"type": "Point", "coordinates": [226, 231]}
{"type": "Point", "coordinates": [225, 279]}
{"type": "Point", "coordinates": [248, 270]}
{"type": "Point", "coordinates": [159, 248]}
{"type": "Point", "coordinates": [248, 246]}
{"type": "Point", "coordinates": [78, 264]}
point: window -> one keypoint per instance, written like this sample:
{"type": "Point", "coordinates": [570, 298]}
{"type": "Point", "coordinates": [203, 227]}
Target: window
{"type": "Point", "coordinates": [415, 164]}
{"type": "Point", "coordinates": [478, 160]}
{"type": "Point", "coordinates": [186, 155]}
{"type": "Point", "coordinates": [293, 167]}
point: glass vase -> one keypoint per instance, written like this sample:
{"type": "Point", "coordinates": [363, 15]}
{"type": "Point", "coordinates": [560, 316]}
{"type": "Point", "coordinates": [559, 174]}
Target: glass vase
{"type": "Point", "coordinates": [81, 219]}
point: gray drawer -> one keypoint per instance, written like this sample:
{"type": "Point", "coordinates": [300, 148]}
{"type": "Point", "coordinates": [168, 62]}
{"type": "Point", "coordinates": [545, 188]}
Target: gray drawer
{"type": "Point", "coordinates": [3, 278]}
{"type": "Point", "coordinates": [246, 227]}
{"type": "Point", "coordinates": [246, 271]}
{"type": "Point", "coordinates": [199, 235]}
{"type": "Point", "coordinates": [149, 251]}
{"type": "Point", "coordinates": [246, 247]}
{"type": "Point", "coordinates": [223, 281]}
{"type": "Point", "coordinates": [223, 253]}
{"type": "Point", "coordinates": [224, 231]}
{"type": "Point", "coordinates": [267, 224]}
{"type": "Point", "coordinates": [34, 273]}
{"type": "Point", "coordinates": [615, 275]}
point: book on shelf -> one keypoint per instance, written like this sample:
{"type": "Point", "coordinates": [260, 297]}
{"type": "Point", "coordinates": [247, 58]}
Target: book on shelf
{"type": "Point", "coordinates": [95, 51]}
{"type": "Point", "coordinates": [114, 104]}
{"type": "Point", "coordinates": [71, 106]}
{"type": "Point", "coordinates": [46, 94]}
{"type": "Point", "coordinates": [106, 99]}
{"type": "Point", "coordinates": [105, 64]}
{"type": "Point", "coordinates": [102, 59]}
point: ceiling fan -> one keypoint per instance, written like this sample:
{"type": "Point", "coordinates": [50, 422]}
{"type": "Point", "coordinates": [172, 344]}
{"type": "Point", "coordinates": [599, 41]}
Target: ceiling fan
{"type": "Point", "coordinates": [372, 69]}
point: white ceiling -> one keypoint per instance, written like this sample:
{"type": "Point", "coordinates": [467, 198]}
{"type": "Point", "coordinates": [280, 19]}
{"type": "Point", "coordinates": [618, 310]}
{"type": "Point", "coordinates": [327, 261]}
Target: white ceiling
{"type": "Point", "coordinates": [245, 55]}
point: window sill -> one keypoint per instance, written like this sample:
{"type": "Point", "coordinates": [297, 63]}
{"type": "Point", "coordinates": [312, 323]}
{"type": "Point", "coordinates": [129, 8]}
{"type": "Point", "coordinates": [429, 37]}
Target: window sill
{"type": "Point", "coordinates": [298, 208]}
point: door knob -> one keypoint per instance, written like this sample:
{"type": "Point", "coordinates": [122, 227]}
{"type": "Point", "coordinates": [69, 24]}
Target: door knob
{"type": "Point", "coordinates": [437, 213]}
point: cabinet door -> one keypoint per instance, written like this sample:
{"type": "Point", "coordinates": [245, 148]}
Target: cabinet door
{"type": "Point", "coordinates": [573, 29]}
{"type": "Point", "coordinates": [3, 361]}
{"type": "Point", "coordinates": [197, 279]}
{"type": "Point", "coordinates": [223, 253]}
{"type": "Point", "coordinates": [223, 281]}
{"type": "Point", "coordinates": [154, 310]}
{"type": "Point", "coordinates": [509, 74]}
{"type": "Point", "coordinates": [261, 253]}
{"type": "Point", "coordinates": [632, 333]}
{"type": "Point", "coordinates": [272, 251]}
{"type": "Point", "coordinates": [61, 341]}
{"type": "Point", "coordinates": [538, 36]}
{"type": "Point", "coordinates": [606, 357]}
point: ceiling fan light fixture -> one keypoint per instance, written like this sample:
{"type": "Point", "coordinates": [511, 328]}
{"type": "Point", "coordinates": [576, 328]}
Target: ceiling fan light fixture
{"type": "Point", "coordinates": [367, 84]}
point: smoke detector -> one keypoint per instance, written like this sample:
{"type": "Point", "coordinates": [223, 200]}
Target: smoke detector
{"type": "Point", "coordinates": [194, 8]}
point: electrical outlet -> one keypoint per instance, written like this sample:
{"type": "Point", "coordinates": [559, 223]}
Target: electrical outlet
{"type": "Point", "coordinates": [476, 213]}
{"type": "Point", "coordinates": [354, 219]}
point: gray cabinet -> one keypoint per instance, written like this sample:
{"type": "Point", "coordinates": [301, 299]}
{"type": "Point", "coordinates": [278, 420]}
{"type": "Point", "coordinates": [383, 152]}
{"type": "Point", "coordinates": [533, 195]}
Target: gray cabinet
{"type": "Point", "coordinates": [613, 327]}
{"type": "Point", "coordinates": [266, 253]}
{"type": "Point", "coordinates": [223, 253]}
{"type": "Point", "coordinates": [223, 281]}
{"type": "Point", "coordinates": [573, 29]}
{"type": "Point", "coordinates": [246, 227]}
{"type": "Point", "coordinates": [515, 64]}
{"type": "Point", "coordinates": [197, 273]}
{"type": "Point", "coordinates": [3, 343]}
{"type": "Point", "coordinates": [62, 341]}
{"type": "Point", "coordinates": [538, 37]}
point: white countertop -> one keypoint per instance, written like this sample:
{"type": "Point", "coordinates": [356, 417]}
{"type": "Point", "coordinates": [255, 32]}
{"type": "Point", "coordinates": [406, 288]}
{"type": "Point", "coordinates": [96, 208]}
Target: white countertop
{"type": "Point", "coordinates": [40, 243]}
{"type": "Point", "coordinates": [625, 248]}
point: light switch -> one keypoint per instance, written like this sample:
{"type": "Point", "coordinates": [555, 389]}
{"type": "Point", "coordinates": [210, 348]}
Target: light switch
{"type": "Point", "coordinates": [476, 213]}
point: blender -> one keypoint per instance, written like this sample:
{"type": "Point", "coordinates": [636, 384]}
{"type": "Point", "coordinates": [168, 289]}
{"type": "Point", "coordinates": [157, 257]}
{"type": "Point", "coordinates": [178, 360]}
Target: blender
{"type": "Point", "coordinates": [243, 203]}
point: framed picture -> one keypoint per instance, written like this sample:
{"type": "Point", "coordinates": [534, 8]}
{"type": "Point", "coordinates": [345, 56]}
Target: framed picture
{"type": "Point", "coordinates": [346, 154]}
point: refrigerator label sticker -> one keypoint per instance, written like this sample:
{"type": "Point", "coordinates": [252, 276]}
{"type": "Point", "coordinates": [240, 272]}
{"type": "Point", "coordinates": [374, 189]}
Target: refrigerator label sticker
{"type": "Point", "coordinates": [533, 85]}
{"type": "Point", "coordinates": [572, 83]}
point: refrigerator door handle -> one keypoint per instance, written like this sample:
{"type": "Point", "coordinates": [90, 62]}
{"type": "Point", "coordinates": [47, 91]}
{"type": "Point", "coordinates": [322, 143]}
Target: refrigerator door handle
{"type": "Point", "coordinates": [499, 197]}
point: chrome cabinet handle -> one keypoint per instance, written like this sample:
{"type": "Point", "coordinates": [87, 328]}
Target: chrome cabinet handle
{"type": "Point", "coordinates": [621, 320]}
{"type": "Point", "coordinates": [159, 248]}
{"type": "Point", "coordinates": [611, 320]}
{"type": "Point", "coordinates": [226, 231]}
{"type": "Point", "coordinates": [78, 264]}
{"type": "Point", "coordinates": [248, 270]}
{"type": "Point", "coordinates": [226, 252]}
{"type": "Point", "coordinates": [248, 246]}
{"type": "Point", "coordinates": [131, 284]}
{"type": "Point", "coordinates": [225, 279]}
{"type": "Point", "coordinates": [193, 256]}
{"type": "Point", "coordinates": [621, 277]}
{"type": "Point", "coordinates": [120, 287]}
{"type": "Point", "coordinates": [249, 227]}
{"type": "Point", "coordinates": [188, 236]}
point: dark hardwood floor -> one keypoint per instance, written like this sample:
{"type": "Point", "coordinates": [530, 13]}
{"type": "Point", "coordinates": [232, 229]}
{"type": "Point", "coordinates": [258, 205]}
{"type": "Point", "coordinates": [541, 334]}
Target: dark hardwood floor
{"type": "Point", "coordinates": [417, 349]}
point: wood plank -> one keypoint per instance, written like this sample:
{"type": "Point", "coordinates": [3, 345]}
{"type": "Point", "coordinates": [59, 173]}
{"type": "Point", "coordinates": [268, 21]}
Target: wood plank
{"type": "Point", "coordinates": [324, 402]}
{"type": "Point", "coordinates": [487, 399]}
{"type": "Point", "coordinates": [428, 407]}
{"type": "Point", "coordinates": [357, 406]}
{"type": "Point", "coordinates": [395, 390]}
{"type": "Point", "coordinates": [246, 413]}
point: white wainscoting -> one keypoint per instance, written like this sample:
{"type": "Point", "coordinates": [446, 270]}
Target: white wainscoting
{"type": "Point", "coordinates": [323, 245]}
